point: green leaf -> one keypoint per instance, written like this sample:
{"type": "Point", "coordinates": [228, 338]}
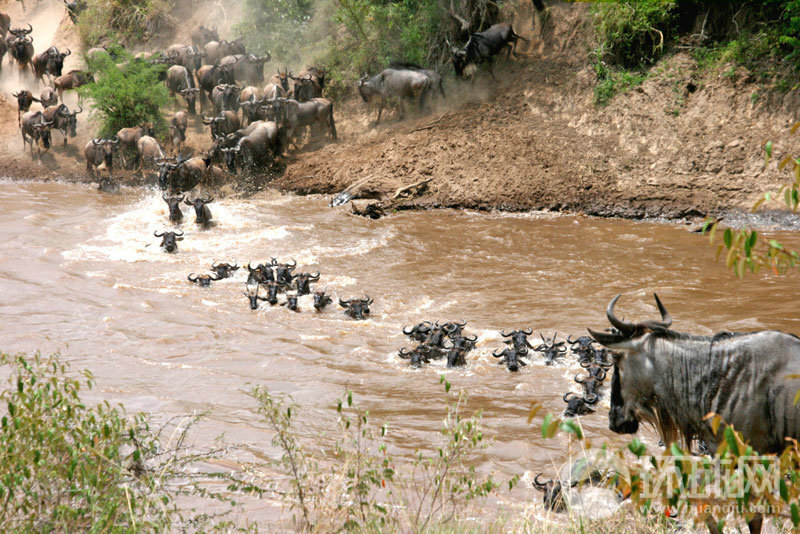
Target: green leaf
{"type": "Point", "coordinates": [730, 437]}
{"type": "Point", "coordinates": [795, 514]}
{"type": "Point", "coordinates": [571, 427]}
{"type": "Point", "coordinates": [727, 237]}
{"type": "Point", "coordinates": [783, 489]}
{"type": "Point", "coordinates": [768, 149]}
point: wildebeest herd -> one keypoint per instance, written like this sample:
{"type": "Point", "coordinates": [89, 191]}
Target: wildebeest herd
{"type": "Point", "coordinates": [252, 121]}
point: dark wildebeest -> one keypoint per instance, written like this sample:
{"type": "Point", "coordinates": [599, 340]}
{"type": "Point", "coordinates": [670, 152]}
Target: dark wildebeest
{"type": "Point", "coordinates": [185, 55]}
{"type": "Point", "coordinates": [226, 123]}
{"type": "Point", "coordinates": [64, 121]}
{"type": "Point", "coordinates": [553, 494]}
{"type": "Point", "coordinates": [419, 355]}
{"type": "Point", "coordinates": [99, 151]}
{"type": "Point", "coordinates": [321, 300]}
{"type": "Point", "coordinates": [510, 357]}
{"type": "Point", "coordinates": [256, 275]}
{"type": "Point", "coordinates": [184, 174]}
{"type": "Point", "coordinates": [252, 295]}
{"type": "Point", "coordinates": [3, 51]}
{"type": "Point", "coordinates": [224, 270]}
{"type": "Point", "coordinates": [129, 139]}
{"type": "Point", "coordinates": [177, 131]}
{"type": "Point", "coordinates": [180, 80]}
{"type": "Point", "coordinates": [306, 88]}
{"type": "Point", "coordinates": [291, 301]}
{"type": "Point", "coordinates": [24, 101]}
{"type": "Point", "coordinates": [302, 282]}
{"type": "Point", "coordinates": [169, 240]}
{"type": "Point", "coordinates": [216, 50]}
{"type": "Point", "coordinates": [21, 49]}
{"type": "Point", "coordinates": [283, 273]}
{"type": "Point", "coordinates": [50, 62]}
{"type": "Point", "coordinates": [247, 68]}
{"type": "Point", "coordinates": [482, 47]}
{"type": "Point", "coordinates": [550, 349]}
{"type": "Point", "coordinates": [590, 384]}
{"type": "Point", "coordinates": [225, 96]}
{"type": "Point", "coordinates": [36, 127]}
{"type": "Point", "coordinates": [210, 76]}
{"type": "Point", "coordinates": [259, 147]}
{"type": "Point", "coordinates": [203, 280]}
{"type": "Point", "coordinates": [460, 346]}
{"type": "Point", "coordinates": [272, 292]}
{"type": "Point", "coordinates": [201, 211]}
{"type": "Point", "coordinates": [283, 79]}
{"type": "Point", "coordinates": [395, 84]}
{"type": "Point", "coordinates": [418, 332]}
{"type": "Point", "coordinates": [356, 308]}
{"type": "Point", "coordinates": [577, 405]}
{"type": "Point", "coordinates": [202, 35]}
{"type": "Point", "coordinates": [5, 24]}
{"type": "Point", "coordinates": [72, 80]}
{"type": "Point", "coordinates": [174, 203]}
{"type": "Point", "coordinates": [672, 380]}
{"type": "Point", "coordinates": [48, 97]}
{"type": "Point", "coordinates": [295, 116]}
{"type": "Point", "coordinates": [519, 339]}
{"type": "Point", "coordinates": [435, 77]}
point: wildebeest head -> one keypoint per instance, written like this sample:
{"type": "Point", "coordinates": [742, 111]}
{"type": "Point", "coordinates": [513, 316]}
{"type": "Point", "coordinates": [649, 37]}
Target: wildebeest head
{"type": "Point", "coordinates": [627, 338]}
{"type": "Point", "coordinates": [190, 96]}
{"type": "Point", "coordinates": [291, 301]}
{"type": "Point", "coordinates": [454, 330]}
{"type": "Point", "coordinates": [283, 272]}
{"type": "Point", "coordinates": [203, 280]}
{"type": "Point", "coordinates": [169, 240]}
{"type": "Point", "coordinates": [365, 89]}
{"type": "Point", "coordinates": [255, 274]}
{"type": "Point", "coordinates": [595, 370]}
{"type": "Point", "coordinates": [321, 299]}
{"type": "Point", "coordinates": [55, 60]}
{"type": "Point", "coordinates": [418, 332]}
{"type": "Point", "coordinates": [418, 356]}
{"type": "Point", "coordinates": [272, 293]}
{"type": "Point", "coordinates": [510, 357]}
{"type": "Point", "coordinates": [201, 211]}
{"type": "Point", "coordinates": [224, 270]}
{"type": "Point", "coordinates": [590, 384]}
{"type": "Point", "coordinates": [460, 346]}
{"type": "Point", "coordinates": [174, 204]}
{"type": "Point", "coordinates": [550, 349]}
{"type": "Point", "coordinates": [519, 339]}
{"type": "Point", "coordinates": [106, 148]}
{"type": "Point", "coordinates": [41, 132]}
{"type": "Point", "coordinates": [165, 170]}
{"type": "Point", "coordinates": [303, 280]}
{"type": "Point", "coordinates": [552, 494]}
{"type": "Point", "coordinates": [252, 296]}
{"type": "Point", "coordinates": [356, 308]}
{"type": "Point", "coordinates": [24, 100]}
{"type": "Point", "coordinates": [70, 119]}
{"type": "Point", "coordinates": [577, 405]}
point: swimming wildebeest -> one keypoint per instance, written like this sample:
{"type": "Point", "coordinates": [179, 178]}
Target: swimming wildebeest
{"type": "Point", "coordinates": [321, 300]}
{"type": "Point", "coordinates": [482, 47]}
{"type": "Point", "coordinates": [174, 204]}
{"type": "Point", "coordinates": [511, 358]}
{"type": "Point", "coordinates": [252, 296]}
{"type": "Point", "coordinates": [169, 240]}
{"type": "Point", "coordinates": [356, 308]}
{"type": "Point", "coordinates": [204, 280]}
{"type": "Point", "coordinates": [224, 270]}
{"type": "Point", "coordinates": [578, 405]}
{"type": "Point", "coordinates": [201, 210]}
{"type": "Point", "coordinates": [672, 380]}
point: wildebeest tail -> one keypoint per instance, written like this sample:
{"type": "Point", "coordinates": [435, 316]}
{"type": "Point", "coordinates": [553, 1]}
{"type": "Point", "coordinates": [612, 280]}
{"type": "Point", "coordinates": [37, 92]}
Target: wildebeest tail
{"type": "Point", "coordinates": [517, 36]}
{"type": "Point", "coordinates": [441, 88]}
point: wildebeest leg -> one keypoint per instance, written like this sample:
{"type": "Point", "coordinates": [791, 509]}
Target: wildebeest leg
{"type": "Point", "coordinates": [380, 110]}
{"type": "Point", "coordinates": [489, 66]}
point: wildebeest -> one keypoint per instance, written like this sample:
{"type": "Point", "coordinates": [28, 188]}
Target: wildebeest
{"type": "Point", "coordinates": [356, 308]}
{"type": "Point", "coordinates": [36, 130]}
{"type": "Point", "coordinates": [177, 131]}
{"type": "Point", "coordinates": [295, 116]}
{"type": "Point", "coordinates": [224, 270]}
{"type": "Point", "coordinates": [5, 24]}
{"type": "Point", "coordinates": [202, 35]}
{"type": "Point", "coordinates": [183, 174]}
{"type": "Point", "coordinates": [180, 80]}
{"type": "Point", "coordinates": [257, 145]}
{"type": "Point", "coordinates": [395, 83]}
{"type": "Point", "coordinates": [252, 295]}
{"type": "Point", "coordinates": [302, 281]}
{"type": "Point", "coordinates": [306, 88]}
{"type": "Point", "coordinates": [435, 77]}
{"type": "Point", "coordinates": [201, 210]}
{"type": "Point", "coordinates": [283, 79]}
{"type": "Point", "coordinates": [21, 49]}
{"type": "Point", "coordinates": [283, 272]}
{"type": "Point", "coordinates": [260, 274]}
{"type": "Point", "coordinates": [24, 101]}
{"type": "Point", "coordinates": [225, 96]}
{"type": "Point", "coordinates": [51, 62]}
{"type": "Point", "coordinates": [457, 352]}
{"type": "Point", "coordinates": [321, 300]}
{"type": "Point", "coordinates": [169, 240]}
{"type": "Point", "coordinates": [482, 47]}
{"type": "Point", "coordinates": [595, 370]}
{"type": "Point", "coordinates": [174, 204]}
{"type": "Point", "coordinates": [148, 150]}
{"type": "Point", "coordinates": [72, 80]}
{"type": "Point", "coordinates": [210, 76]}
{"type": "Point", "coordinates": [510, 357]}
{"type": "Point", "coordinates": [519, 339]}
{"type": "Point", "coordinates": [48, 97]}
{"type": "Point", "coordinates": [247, 68]}
{"type": "Point", "coordinates": [553, 494]}
{"type": "Point", "coordinates": [577, 405]}
{"type": "Point", "coordinates": [418, 332]}
{"type": "Point", "coordinates": [272, 292]}
{"type": "Point", "coordinates": [129, 139]}
{"type": "Point", "coordinates": [99, 151]}
{"type": "Point", "coordinates": [3, 51]}
{"type": "Point", "coordinates": [188, 56]}
{"type": "Point", "coordinates": [225, 123]}
{"type": "Point", "coordinates": [291, 301]}
{"type": "Point", "coordinates": [550, 349]}
{"type": "Point", "coordinates": [64, 121]}
{"type": "Point", "coordinates": [590, 384]}
{"type": "Point", "coordinates": [673, 380]}
{"type": "Point", "coordinates": [204, 280]}
{"type": "Point", "coordinates": [417, 356]}
{"type": "Point", "coordinates": [216, 50]}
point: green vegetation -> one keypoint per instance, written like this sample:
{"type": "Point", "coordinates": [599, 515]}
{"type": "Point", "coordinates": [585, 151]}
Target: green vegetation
{"type": "Point", "coordinates": [69, 467]}
{"type": "Point", "coordinates": [122, 21]}
{"type": "Point", "coordinates": [125, 93]}
{"type": "Point", "coordinates": [612, 81]}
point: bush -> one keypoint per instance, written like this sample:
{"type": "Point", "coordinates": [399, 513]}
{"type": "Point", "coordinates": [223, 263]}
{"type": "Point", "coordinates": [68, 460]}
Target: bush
{"type": "Point", "coordinates": [122, 21]}
{"type": "Point", "coordinates": [69, 467]}
{"type": "Point", "coordinates": [125, 94]}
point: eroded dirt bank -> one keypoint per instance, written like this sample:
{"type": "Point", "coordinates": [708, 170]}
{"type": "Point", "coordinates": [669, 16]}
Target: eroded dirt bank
{"type": "Point", "coordinates": [684, 144]}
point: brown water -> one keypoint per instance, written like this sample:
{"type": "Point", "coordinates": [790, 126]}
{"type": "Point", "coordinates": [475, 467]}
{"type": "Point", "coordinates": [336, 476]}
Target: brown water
{"type": "Point", "coordinates": [82, 273]}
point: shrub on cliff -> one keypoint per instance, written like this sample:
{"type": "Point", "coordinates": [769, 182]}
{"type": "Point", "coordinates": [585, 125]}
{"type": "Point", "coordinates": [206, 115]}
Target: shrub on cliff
{"type": "Point", "coordinates": [127, 93]}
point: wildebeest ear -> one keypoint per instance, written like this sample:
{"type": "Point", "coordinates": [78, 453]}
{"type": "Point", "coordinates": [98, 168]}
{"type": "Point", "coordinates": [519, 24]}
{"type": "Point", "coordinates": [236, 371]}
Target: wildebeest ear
{"type": "Point", "coordinates": [607, 340]}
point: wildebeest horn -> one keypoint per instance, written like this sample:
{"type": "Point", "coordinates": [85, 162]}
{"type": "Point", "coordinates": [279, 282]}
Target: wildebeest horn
{"type": "Point", "coordinates": [344, 303]}
{"type": "Point", "coordinates": [602, 374]}
{"type": "Point", "coordinates": [157, 234]}
{"type": "Point", "coordinates": [405, 355]}
{"type": "Point", "coordinates": [114, 141]}
{"type": "Point", "coordinates": [494, 353]}
{"type": "Point", "coordinates": [579, 381]}
{"type": "Point", "coordinates": [625, 327]}
{"type": "Point", "coordinates": [408, 332]}
{"type": "Point", "coordinates": [665, 322]}
{"type": "Point", "coordinates": [591, 399]}
{"type": "Point", "coordinates": [585, 365]}
{"type": "Point", "coordinates": [68, 52]}
{"type": "Point", "coordinates": [97, 141]}
{"type": "Point", "coordinates": [569, 340]}
{"type": "Point", "coordinates": [472, 339]}
{"type": "Point", "coordinates": [190, 277]}
{"type": "Point", "coordinates": [80, 110]}
{"type": "Point", "coordinates": [527, 332]}
{"type": "Point", "coordinates": [541, 486]}
{"type": "Point", "coordinates": [449, 327]}
{"type": "Point", "coordinates": [567, 394]}
{"type": "Point", "coordinates": [178, 234]}
{"type": "Point", "coordinates": [29, 30]}
{"type": "Point", "coordinates": [367, 300]}
{"type": "Point", "coordinates": [503, 333]}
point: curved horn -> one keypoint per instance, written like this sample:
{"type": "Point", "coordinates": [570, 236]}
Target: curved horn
{"type": "Point", "coordinates": [527, 332]}
{"type": "Point", "coordinates": [494, 353]}
{"type": "Point", "coordinates": [157, 234]}
{"type": "Point", "coordinates": [408, 332]}
{"type": "Point", "coordinates": [190, 277]}
{"type": "Point", "coordinates": [30, 28]}
{"type": "Point", "coordinates": [405, 355]}
{"type": "Point", "coordinates": [503, 333]}
{"type": "Point", "coordinates": [343, 303]}
{"type": "Point", "coordinates": [601, 375]}
{"type": "Point", "coordinates": [579, 381]}
{"type": "Point", "coordinates": [666, 320]}
{"type": "Point", "coordinates": [68, 52]}
{"type": "Point", "coordinates": [567, 394]}
{"type": "Point", "coordinates": [541, 486]}
{"type": "Point", "coordinates": [625, 327]}
{"type": "Point", "coordinates": [592, 399]}
{"type": "Point", "coordinates": [585, 364]}
{"type": "Point", "coordinates": [472, 339]}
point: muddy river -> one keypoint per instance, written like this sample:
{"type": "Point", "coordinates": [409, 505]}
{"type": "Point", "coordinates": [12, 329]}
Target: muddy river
{"type": "Point", "coordinates": [81, 272]}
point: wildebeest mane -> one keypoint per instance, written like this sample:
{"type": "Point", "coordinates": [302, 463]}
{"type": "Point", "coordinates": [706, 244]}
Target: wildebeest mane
{"type": "Point", "coordinates": [405, 65]}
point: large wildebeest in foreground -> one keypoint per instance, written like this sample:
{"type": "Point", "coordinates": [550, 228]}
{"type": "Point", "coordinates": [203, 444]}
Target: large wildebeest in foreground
{"type": "Point", "coordinates": [395, 83]}
{"type": "Point", "coordinates": [64, 121]}
{"type": "Point", "coordinates": [482, 47]}
{"type": "Point", "coordinates": [50, 62]}
{"type": "Point", "coordinates": [672, 380]}
{"type": "Point", "coordinates": [36, 130]}
{"type": "Point", "coordinates": [180, 80]}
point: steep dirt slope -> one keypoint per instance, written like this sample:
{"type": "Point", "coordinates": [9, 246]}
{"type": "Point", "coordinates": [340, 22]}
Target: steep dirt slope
{"type": "Point", "coordinates": [680, 145]}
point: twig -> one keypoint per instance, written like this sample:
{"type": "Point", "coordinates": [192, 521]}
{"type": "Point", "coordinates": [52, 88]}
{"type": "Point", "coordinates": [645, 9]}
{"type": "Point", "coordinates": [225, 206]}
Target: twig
{"type": "Point", "coordinates": [427, 126]}
{"type": "Point", "coordinates": [402, 190]}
